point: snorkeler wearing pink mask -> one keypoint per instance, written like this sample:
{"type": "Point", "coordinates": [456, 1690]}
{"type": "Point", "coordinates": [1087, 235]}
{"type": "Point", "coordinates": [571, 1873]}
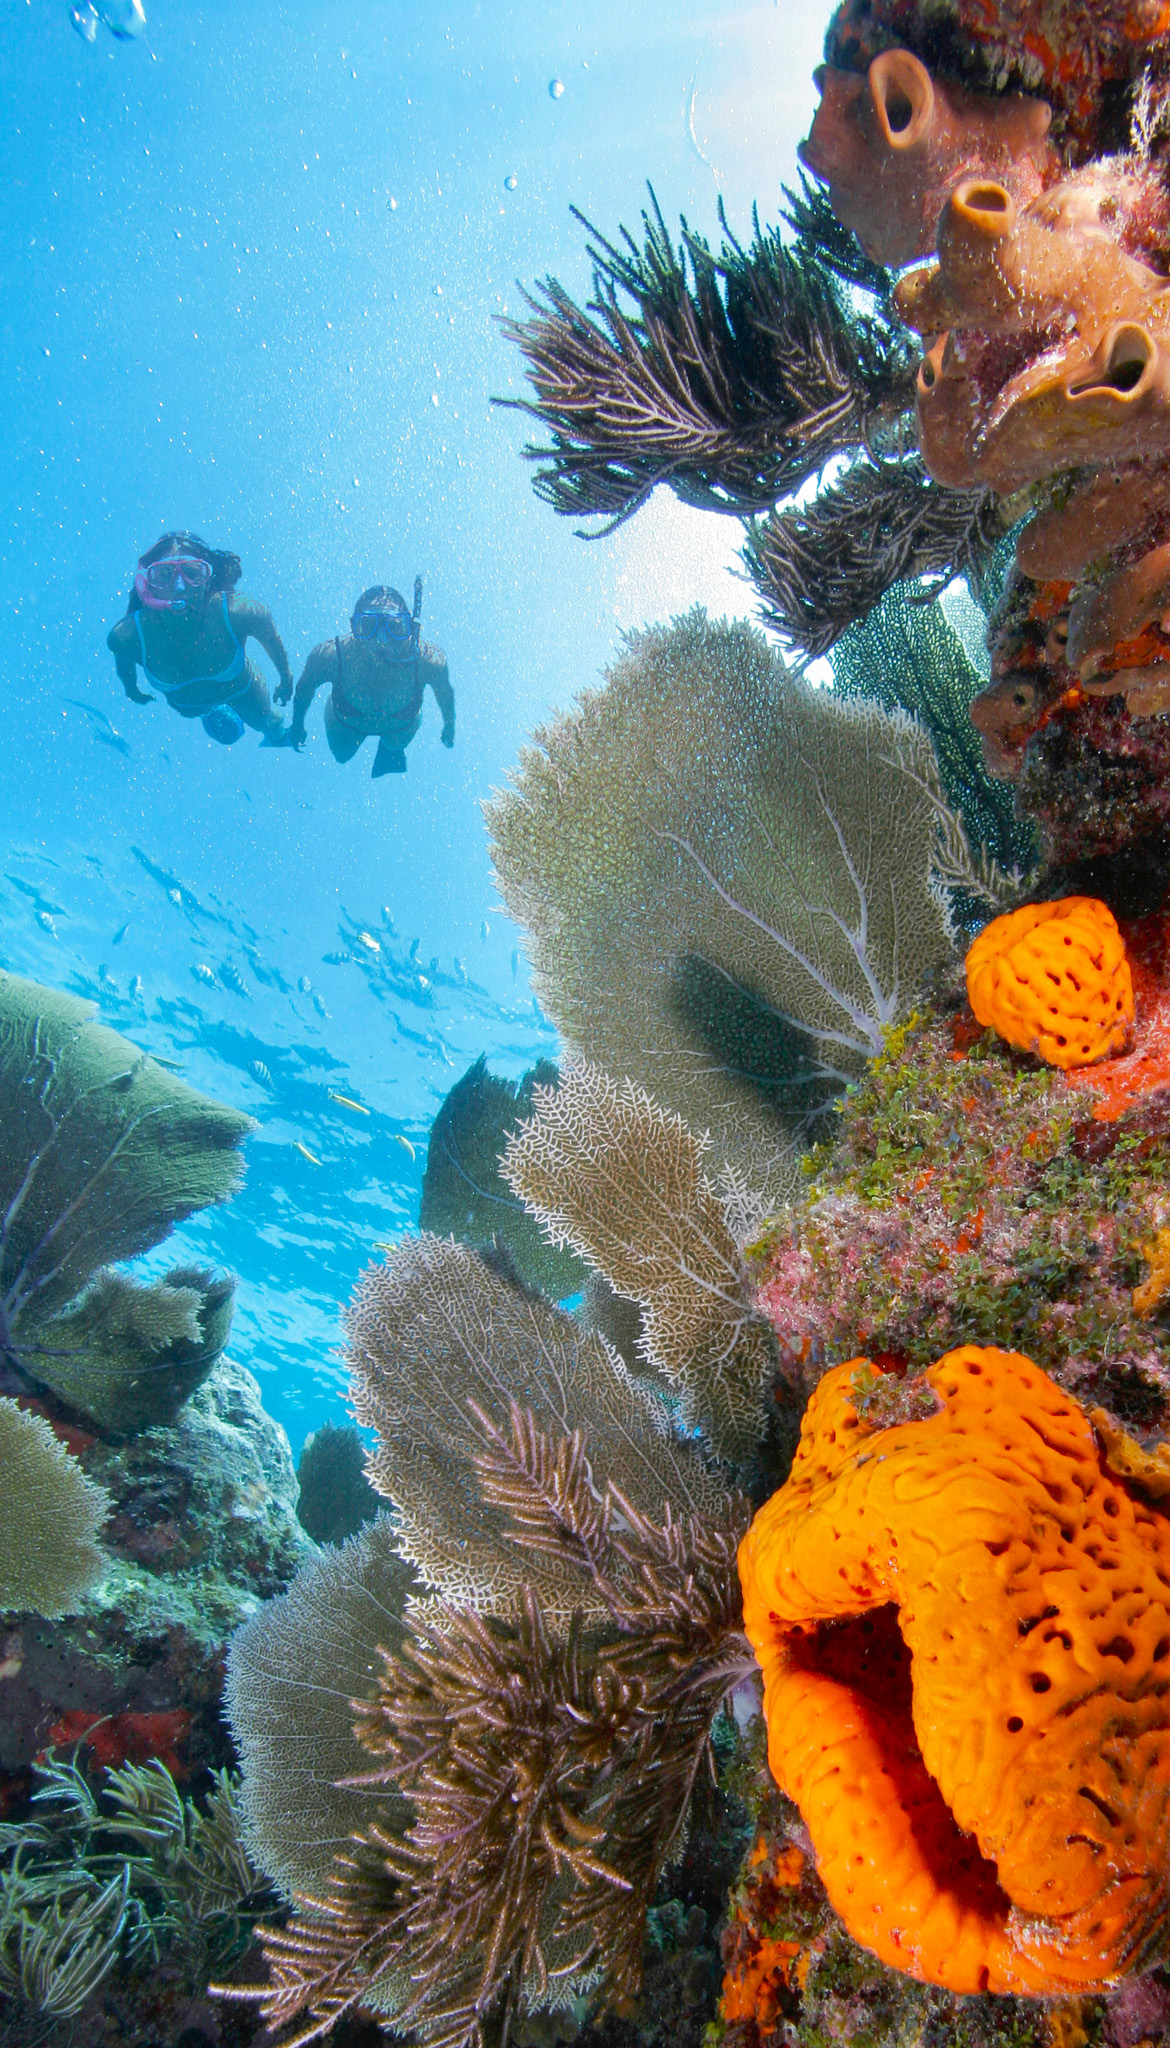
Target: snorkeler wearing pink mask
{"type": "Point", "coordinates": [185, 628]}
{"type": "Point", "coordinates": [380, 673]}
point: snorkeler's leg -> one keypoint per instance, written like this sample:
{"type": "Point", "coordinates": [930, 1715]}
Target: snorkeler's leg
{"type": "Point", "coordinates": [343, 741]}
{"type": "Point", "coordinates": [389, 760]}
{"type": "Point", "coordinates": [255, 708]}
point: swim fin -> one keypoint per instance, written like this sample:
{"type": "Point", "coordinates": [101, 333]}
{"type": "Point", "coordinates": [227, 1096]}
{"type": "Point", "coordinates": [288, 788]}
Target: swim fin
{"type": "Point", "coordinates": [223, 724]}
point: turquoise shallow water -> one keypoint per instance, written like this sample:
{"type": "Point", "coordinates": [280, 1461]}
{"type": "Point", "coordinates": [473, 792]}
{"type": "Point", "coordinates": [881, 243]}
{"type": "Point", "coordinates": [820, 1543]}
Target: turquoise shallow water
{"type": "Point", "coordinates": [249, 268]}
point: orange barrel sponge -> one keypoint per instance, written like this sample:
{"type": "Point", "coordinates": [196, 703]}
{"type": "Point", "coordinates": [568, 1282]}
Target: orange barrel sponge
{"type": "Point", "coordinates": [963, 1622]}
{"type": "Point", "coordinates": [1053, 979]}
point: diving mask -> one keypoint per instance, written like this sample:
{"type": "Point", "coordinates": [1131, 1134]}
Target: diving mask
{"type": "Point", "coordinates": [167, 584]}
{"type": "Point", "coordinates": [395, 628]}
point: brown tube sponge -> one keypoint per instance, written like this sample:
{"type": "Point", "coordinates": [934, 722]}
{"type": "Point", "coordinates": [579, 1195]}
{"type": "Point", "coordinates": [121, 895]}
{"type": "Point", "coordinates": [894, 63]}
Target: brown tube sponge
{"type": "Point", "coordinates": [964, 1628]}
{"type": "Point", "coordinates": [891, 145]}
{"type": "Point", "coordinates": [1106, 510]}
{"type": "Point", "coordinates": [1099, 404]}
{"type": "Point", "coordinates": [1010, 272]}
{"type": "Point", "coordinates": [1106, 614]}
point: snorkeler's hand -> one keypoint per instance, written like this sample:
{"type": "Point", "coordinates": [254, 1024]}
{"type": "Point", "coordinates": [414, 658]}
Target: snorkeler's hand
{"type": "Point", "coordinates": [296, 736]}
{"type": "Point", "coordinates": [136, 695]}
{"type": "Point", "coordinates": [283, 691]}
{"type": "Point", "coordinates": [448, 735]}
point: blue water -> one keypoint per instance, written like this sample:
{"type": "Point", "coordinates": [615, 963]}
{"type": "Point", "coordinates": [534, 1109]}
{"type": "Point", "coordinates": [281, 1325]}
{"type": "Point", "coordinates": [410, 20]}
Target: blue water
{"type": "Point", "coordinates": [249, 268]}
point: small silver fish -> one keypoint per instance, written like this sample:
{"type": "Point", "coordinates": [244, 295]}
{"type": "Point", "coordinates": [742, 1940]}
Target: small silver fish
{"type": "Point", "coordinates": [176, 896]}
{"type": "Point", "coordinates": [319, 1006]}
{"type": "Point", "coordinates": [460, 969]}
{"type": "Point", "coordinates": [305, 985]}
{"type": "Point", "coordinates": [120, 934]}
{"type": "Point", "coordinates": [388, 921]}
{"type": "Point", "coordinates": [233, 979]}
{"type": "Point", "coordinates": [485, 930]}
{"type": "Point", "coordinates": [46, 923]}
{"type": "Point", "coordinates": [306, 1154]}
{"type": "Point", "coordinates": [260, 1073]}
{"type": "Point", "coordinates": [348, 1102]}
{"type": "Point", "coordinates": [371, 944]}
{"type": "Point", "coordinates": [136, 987]}
{"type": "Point", "coordinates": [404, 1142]}
{"type": "Point", "coordinates": [203, 972]}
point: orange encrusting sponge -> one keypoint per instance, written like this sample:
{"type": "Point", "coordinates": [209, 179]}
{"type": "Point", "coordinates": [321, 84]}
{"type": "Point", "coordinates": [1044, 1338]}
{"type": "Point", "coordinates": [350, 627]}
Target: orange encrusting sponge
{"type": "Point", "coordinates": [1053, 979]}
{"type": "Point", "coordinates": [963, 1623]}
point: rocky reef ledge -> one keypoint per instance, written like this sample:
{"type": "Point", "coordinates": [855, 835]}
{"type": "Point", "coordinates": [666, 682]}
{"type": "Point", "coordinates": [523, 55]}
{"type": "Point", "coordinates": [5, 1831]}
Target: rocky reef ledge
{"type": "Point", "coordinates": [203, 1527]}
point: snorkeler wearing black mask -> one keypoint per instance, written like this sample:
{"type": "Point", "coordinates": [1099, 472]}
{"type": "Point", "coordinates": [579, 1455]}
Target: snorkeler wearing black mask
{"type": "Point", "coordinates": [379, 674]}
{"type": "Point", "coordinates": [185, 627]}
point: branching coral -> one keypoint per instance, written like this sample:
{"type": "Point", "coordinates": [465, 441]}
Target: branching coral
{"type": "Point", "coordinates": [51, 1516]}
{"type": "Point", "coordinates": [731, 883]}
{"type": "Point", "coordinates": [463, 1194]}
{"type": "Point", "coordinates": [100, 1153]}
{"type": "Point", "coordinates": [733, 383]}
{"type": "Point", "coordinates": [1012, 1692]}
{"type": "Point", "coordinates": [603, 1167]}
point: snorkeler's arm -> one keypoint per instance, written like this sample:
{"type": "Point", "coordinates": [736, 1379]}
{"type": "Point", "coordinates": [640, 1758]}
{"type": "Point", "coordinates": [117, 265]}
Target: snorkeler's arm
{"type": "Point", "coordinates": [440, 682]}
{"type": "Point", "coordinates": [318, 669]}
{"type": "Point", "coordinates": [122, 645]}
{"type": "Point", "coordinates": [257, 620]}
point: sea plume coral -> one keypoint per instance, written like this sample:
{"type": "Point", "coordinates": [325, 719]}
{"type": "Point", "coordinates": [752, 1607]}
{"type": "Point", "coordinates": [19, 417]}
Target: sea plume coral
{"type": "Point", "coordinates": [732, 378]}
{"type": "Point", "coordinates": [549, 1729]}
{"type": "Point", "coordinates": [101, 1151]}
{"type": "Point", "coordinates": [606, 1169]}
{"type": "Point", "coordinates": [731, 884]}
{"type": "Point", "coordinates": [820, 565]}
{"type": "Point", "coordinates": [995, 1673]}
{"type": "Point", "coordinates": [50, 1515]}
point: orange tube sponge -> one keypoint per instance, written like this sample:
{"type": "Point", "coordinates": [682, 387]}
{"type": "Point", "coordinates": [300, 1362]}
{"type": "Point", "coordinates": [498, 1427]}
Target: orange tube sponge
{"type": "Point", "coordinates": [964, 1628]}
{"type": "Point", "coordinates": [1053, 979]}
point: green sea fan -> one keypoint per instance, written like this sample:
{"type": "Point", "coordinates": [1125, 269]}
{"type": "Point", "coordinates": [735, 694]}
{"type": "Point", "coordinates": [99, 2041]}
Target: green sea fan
{"type": "Point", "coordinates": [50, 1519]}
{"type": "Point", "coordinates": [732, 884]}
{"type": "Point", "coordinates": [101, 1152]}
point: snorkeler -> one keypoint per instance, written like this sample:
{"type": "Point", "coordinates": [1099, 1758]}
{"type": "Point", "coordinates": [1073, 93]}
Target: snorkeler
{"type": "Point", "coordinates": [186, 628]}
{"type": "Point", "coordinates": [379, 675]}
